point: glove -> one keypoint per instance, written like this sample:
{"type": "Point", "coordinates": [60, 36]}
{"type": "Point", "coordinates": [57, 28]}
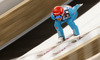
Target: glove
{"type": "Point", "coordinates": [78, 5]}
{"type": "Point", "coordinates": [81, 4]}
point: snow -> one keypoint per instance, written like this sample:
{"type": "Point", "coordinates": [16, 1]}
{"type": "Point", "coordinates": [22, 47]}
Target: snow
{"type": "Point", "coordinates": [86, 22]}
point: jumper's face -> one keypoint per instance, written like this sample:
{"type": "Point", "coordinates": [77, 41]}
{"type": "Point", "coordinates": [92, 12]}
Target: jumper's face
{"type": "Point", "coordinates": [59, 18]}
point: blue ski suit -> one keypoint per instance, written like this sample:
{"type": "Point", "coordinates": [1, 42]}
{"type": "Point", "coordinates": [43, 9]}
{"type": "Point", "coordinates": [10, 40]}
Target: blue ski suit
{"type": "Point", "coordinates": [70, 21]}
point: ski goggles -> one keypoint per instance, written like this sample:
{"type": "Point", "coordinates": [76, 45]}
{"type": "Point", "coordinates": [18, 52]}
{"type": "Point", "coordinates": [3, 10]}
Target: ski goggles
{"type": "Point", "coordinates": [58, 16]}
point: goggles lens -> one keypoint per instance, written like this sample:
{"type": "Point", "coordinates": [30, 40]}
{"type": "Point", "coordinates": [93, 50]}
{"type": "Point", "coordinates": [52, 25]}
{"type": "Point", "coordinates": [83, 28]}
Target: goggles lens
{"type": "Point", "coordinates": [58, 16]}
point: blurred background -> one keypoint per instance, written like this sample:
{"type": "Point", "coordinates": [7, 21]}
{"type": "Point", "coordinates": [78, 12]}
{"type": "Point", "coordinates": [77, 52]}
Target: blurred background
{"type": "Point", "coordinates": [25, 16]}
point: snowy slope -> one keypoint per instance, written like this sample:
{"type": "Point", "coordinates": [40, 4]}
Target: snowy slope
{"type": "Point", "coordinates": [86, 22]}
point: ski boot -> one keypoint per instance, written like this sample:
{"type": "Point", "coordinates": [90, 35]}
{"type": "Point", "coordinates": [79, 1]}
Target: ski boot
{"type": "Point", "coordinates": [61, 39]}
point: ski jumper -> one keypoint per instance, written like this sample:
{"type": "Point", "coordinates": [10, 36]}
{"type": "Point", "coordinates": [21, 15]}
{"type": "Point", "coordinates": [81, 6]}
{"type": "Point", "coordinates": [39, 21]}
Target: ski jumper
{"type": "Point", "coordinates": [69, 20]}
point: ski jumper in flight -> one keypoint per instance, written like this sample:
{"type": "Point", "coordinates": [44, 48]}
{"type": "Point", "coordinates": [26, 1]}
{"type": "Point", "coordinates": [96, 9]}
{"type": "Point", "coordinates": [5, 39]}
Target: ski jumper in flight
{"type": "Point", "coordinates": [68, 14]}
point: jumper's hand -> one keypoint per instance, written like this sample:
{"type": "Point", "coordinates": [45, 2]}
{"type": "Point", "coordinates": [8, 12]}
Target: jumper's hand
{"type": "Point", "coordinates": [81, 4]}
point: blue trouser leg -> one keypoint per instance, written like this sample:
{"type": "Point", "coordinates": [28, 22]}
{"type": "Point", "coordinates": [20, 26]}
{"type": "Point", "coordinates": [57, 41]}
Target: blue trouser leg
{"type": "Point", "coordinates": [70, 22]}
{"type": "Point", "coordinates": [73, 26]}
{"type": "Point", "coordinates": [59, 29]}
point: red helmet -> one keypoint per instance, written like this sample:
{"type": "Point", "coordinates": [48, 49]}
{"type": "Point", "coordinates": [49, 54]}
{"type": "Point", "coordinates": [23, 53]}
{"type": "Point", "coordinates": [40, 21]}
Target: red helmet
{"type": "Point", "coordinates": [58, 10]}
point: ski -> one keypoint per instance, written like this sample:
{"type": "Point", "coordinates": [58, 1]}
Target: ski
{"type": "Point", "coordinates": [73, 41]}
{"type": "Point", "coordinates": [51, 48]}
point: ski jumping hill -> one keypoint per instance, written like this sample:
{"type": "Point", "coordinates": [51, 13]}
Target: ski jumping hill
{"type": "Point", "coordinates": [86, 47]}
